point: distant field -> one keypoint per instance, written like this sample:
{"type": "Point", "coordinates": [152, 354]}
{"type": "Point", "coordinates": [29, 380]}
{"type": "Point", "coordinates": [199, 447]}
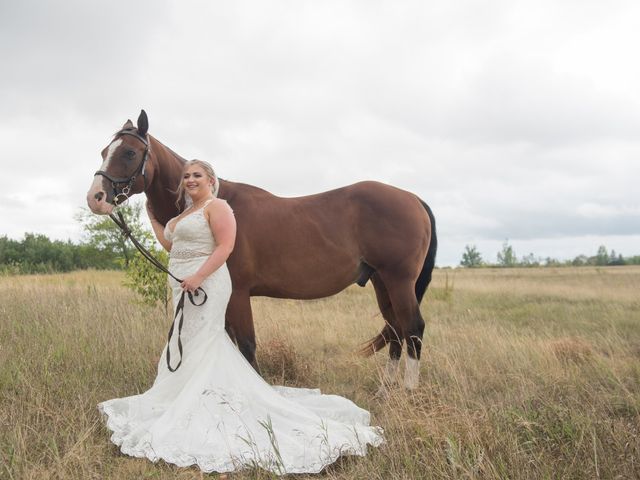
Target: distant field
{"type": "Point", "coordinates": [526, 374]}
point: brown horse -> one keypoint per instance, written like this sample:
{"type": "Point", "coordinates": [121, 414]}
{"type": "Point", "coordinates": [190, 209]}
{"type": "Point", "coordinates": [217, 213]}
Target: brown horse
{"type": "Point", "coordinates": [302, 248]}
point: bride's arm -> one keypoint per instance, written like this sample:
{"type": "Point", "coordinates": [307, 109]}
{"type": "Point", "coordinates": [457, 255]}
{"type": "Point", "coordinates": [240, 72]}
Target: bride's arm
{"type": "Point", "coordinates": [158, 229]}
{"type": "Point", "coordinates": [223, 227]}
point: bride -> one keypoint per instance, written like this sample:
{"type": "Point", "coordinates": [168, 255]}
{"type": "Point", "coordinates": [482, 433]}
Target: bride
{"type": "Point", "coordinates": [207, 405]}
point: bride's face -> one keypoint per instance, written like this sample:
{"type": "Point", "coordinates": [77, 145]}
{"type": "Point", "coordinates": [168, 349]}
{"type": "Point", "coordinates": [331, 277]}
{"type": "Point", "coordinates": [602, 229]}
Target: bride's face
{"type": "Point", "coordinates": [196, 182]}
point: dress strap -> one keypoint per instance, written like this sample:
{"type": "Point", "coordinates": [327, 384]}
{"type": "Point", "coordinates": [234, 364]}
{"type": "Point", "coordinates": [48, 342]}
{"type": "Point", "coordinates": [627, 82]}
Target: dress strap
{"type": "Point", "coordinates": [204, 204]}
{"type": "Point", "coordinates": [202, 207]}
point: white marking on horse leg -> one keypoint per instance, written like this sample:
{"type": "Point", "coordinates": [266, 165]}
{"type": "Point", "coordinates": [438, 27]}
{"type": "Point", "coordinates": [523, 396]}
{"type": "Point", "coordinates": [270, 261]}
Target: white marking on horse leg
{"type": "Point", "coordinates": [389, 378]}
{"type": "Point", "coordinates": [412, 373]}
{"type": "Point", "coordinates": [390, 375]}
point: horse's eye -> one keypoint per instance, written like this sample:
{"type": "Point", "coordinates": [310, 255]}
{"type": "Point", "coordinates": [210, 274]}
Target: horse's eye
{"type": "Point", "coordinates": [130, 153]}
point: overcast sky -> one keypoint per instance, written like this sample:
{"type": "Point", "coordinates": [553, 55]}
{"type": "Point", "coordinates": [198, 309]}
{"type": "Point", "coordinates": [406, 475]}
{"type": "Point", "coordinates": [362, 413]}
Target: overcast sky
{"type": "Point", "coordinates": [514, 120]}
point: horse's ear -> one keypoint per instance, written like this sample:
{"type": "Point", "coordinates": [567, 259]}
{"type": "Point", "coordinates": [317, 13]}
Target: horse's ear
{"type": "Point", "coordinates": [127, 125]}
{"type": "Point", "coordinates": [143, 123]}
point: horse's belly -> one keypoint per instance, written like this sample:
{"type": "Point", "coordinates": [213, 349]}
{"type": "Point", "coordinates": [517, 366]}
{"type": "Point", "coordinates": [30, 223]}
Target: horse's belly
{"type": "Point", "coordinates": [307, 279]}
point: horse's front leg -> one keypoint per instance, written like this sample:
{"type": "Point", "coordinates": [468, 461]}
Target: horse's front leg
{"type": "Point", "coordinates": [239, 322]}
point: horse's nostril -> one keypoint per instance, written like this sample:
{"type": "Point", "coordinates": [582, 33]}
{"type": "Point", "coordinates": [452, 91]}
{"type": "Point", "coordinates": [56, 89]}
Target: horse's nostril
{"type": "Point", "coordinates": [98, 196]}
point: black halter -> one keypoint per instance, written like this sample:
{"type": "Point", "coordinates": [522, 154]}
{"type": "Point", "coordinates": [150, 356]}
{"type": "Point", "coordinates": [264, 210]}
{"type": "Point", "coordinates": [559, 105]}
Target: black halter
{"type": "Point", "coordinates": [128, 182]}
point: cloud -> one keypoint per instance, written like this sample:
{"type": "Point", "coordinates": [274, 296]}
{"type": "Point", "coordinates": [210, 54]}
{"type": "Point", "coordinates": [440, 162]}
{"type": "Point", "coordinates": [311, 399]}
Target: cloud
{"type": "Point", "coordinates": [512, 120]}
{"type": "Point", "coordinates": [73, 57]}
{"type": "Point", "coordinates": [597, 211]}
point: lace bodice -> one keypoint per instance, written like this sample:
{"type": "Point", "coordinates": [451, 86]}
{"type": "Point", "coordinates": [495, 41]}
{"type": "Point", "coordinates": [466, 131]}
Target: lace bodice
{"type": "Point", "coordinates": [191, 233]}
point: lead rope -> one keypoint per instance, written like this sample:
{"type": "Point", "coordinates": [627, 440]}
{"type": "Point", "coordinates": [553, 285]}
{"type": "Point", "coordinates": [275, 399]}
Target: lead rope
{"type": "Point", "coordinates": [126, 231]}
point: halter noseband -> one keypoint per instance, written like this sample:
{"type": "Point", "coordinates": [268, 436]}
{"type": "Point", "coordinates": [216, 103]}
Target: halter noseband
{"type": "Point", "coordinates": [127, 181]}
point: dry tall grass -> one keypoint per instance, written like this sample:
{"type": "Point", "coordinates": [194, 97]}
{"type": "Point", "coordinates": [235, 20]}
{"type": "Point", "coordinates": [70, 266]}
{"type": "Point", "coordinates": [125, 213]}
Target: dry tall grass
{"type": "Point", "coordinates": [528, 373]}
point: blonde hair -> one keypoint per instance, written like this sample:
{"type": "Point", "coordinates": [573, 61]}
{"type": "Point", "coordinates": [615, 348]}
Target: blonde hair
{"type": "Point", "coordinates": [208, 169]}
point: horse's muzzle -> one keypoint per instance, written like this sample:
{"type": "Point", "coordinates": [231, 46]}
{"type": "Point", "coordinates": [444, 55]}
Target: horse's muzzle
{"type": "Point", "coordinates": [97, 202]}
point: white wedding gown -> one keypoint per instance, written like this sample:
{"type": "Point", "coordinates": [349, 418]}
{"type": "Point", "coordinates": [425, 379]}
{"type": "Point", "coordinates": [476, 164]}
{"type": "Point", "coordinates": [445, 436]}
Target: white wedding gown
{"type": "Point", "coordinates": [215, 411]}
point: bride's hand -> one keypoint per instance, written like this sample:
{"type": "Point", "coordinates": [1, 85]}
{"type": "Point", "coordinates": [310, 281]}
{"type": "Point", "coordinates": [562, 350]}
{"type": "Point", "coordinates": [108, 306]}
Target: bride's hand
{"type": "Point", "coordinates": [191, 283]}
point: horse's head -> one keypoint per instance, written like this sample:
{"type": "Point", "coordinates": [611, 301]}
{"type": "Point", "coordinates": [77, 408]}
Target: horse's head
{"type": "Point", "coordinates": [124, 167]}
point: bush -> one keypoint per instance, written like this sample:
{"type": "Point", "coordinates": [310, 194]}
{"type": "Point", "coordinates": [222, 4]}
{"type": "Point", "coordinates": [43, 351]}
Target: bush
{"type": "Point", "coordinates": [148, 281]}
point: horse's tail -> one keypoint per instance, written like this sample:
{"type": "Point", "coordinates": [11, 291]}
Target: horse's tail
{"type": "Point", "coordinates": [378, 342]}
{"type": "Point", "coordinates": [424, 279]}
{"type": "Point", "coordinates": [388, 333]}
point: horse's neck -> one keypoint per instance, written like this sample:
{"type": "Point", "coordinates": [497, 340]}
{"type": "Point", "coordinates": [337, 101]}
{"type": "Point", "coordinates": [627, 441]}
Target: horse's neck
{"type": "Point", "coordinates": [166, 178]}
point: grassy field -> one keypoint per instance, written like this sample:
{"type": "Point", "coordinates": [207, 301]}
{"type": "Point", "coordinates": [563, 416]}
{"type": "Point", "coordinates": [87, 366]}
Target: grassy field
{"type": "Point", "coordinates": [526, 374]}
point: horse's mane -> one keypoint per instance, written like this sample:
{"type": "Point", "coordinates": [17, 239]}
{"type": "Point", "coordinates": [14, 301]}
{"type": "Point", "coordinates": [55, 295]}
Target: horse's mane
{"type": "Point", "coordinates": [179, 157]}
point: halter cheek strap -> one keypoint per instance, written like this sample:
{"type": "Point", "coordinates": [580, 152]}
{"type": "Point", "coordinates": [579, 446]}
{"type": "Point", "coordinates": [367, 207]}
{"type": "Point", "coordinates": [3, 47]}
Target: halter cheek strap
{"type": "Point", "coordinates": [128, 182]}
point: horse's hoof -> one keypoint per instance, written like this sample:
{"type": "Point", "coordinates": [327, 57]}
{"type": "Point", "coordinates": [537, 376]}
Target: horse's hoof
{"type": "Point", "coordinates": [411, 384]}
{"type": "Point", "coordinates": [412, 374]}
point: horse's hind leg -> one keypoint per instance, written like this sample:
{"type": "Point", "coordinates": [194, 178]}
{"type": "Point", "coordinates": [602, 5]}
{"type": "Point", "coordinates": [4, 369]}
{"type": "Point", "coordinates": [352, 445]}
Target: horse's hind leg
{"type": "Point", "coordinates": [392, 334]}
{"type": "Point", "coordinates": [240, 325]}
{"type": "Point", "coordinates": [407, 313]}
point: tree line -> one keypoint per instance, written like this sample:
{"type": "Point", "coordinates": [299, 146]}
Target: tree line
{"type": "Point", "coordinates": [506, 257]}
{"type": "Point", "coordinates": [36, 253]}
{"type": "Point", "coordinates": [102, 247]}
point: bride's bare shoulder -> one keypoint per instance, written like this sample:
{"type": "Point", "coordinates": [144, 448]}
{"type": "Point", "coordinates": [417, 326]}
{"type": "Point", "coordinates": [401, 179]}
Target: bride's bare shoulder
{"type": "Point", "coordinates": [218, 207]}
